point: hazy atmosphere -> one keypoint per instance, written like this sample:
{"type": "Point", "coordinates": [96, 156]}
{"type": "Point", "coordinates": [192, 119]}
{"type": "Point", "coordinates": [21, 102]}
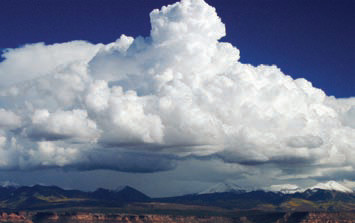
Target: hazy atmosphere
{"type": "Point", "coordinates": [163, 97]}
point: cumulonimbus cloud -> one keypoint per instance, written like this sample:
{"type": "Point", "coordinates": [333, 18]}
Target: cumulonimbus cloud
{"type": "Point", "coordinates": [177, 93]}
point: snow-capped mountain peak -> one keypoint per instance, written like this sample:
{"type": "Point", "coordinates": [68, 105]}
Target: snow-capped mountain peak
{"type": "Point", "coordinates": [9, 184]}
{"type": "Point", "coordinates": [223, 187]}
{"type": "Point", "coordinates": [332, 185]}
{"type": "Point", "coordinates": [286, 188]}
{"type": "Point", "coordinates": [282, 188]}
{"type": "Point", "coordinates": [120, 188]}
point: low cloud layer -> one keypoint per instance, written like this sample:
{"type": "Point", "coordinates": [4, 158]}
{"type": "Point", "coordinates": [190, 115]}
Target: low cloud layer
{"type": "Point", "coordinates": [142, 104]}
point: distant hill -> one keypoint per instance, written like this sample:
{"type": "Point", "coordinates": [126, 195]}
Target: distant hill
{"type": "Point", "coordinates": [308, 200]}
{"type": "Point", "coordinates": [40, 197]}
{"type": "Point", "coordinates": [46, 197]}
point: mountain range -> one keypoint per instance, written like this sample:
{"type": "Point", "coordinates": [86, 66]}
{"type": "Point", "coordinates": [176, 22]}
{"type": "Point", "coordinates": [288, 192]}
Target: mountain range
{"type": "Point", "coordinates": [331, 197]}
{"type": "Point", "coordinates": [283, 188]}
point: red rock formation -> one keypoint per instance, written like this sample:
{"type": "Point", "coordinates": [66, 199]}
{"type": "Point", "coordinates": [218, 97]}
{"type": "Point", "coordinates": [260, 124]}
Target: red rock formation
{"type": "Point", "coordinates": [128, 218]}
{"type": "Point", "coordinates": [22, 217]}
{"type": "Point", "coordinates": [328, 217]}
{"type": "Point", "coordinates": [52, 217]}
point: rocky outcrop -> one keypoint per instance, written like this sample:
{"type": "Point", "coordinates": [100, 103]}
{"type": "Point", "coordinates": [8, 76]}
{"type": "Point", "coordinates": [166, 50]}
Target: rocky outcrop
{"type": "Point", "coordinates": [83, 217]}
{"type": "Point", "coordinates": [329, 217]}
{"type": "Point", "coordinates": [124, 218]}
{"type": "Point", "coordinates": [16, 217]}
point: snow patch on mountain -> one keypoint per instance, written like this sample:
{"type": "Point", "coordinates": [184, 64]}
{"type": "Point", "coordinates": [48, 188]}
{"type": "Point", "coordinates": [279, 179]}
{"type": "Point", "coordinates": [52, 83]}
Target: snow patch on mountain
{"type": "Point", "coordinates": [282, 188]}
{"type": "Point", "coordinates": [285, 188]}
{"type": "Point", "coordinates": [9, 184]}
{"type": "Point", "coordinates": [120, 188]}
{"type": "Point", "coordinates": [332, 185]}
{"type": "Point", "coordinates": [292, 188]}
{"type": "Point", "coordinates": [224, 187]}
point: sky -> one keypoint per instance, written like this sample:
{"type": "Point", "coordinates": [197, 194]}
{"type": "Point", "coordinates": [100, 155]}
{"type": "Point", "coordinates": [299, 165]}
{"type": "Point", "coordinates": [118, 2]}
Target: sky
{"type": "Point", "coordinates": [171, 101]}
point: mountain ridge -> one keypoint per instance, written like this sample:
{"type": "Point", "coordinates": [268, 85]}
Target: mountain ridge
{"type": "Point", "coordinates": [39, 197]}
{"type": "Point", "coordinates": [224, 187]}
{"type": "Point", "coordinates": [283, 188]}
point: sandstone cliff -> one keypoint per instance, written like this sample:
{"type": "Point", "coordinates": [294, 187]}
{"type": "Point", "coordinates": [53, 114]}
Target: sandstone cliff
{"type": "Point", "coordinates": [83, 217]}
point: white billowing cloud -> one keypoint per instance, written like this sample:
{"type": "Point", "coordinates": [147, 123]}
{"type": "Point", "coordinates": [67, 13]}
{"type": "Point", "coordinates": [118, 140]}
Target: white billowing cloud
{"type": "Point", "coordinates": [57, 90]}
{"type": "Point", "coordinates": [191, 20]}
{"type": "Point", "coordinates": [349, 117]}
{"type": "Point", "coordinates": [9, 119]}
{"type": "Point", "coordinates": [308, 141]}
{"type": "Point", "coordinates": [137, 104]}
{"type": "Point", "coordinates": [50, 154]}
{"type": "Point", "coordinates": [2, 141]}
{"type": "Point", "coordinates": [121, 115]}
{"type": "Point", "coordinates": [34, 60]}
{"type": "Point", "coordinates": [62, 125]}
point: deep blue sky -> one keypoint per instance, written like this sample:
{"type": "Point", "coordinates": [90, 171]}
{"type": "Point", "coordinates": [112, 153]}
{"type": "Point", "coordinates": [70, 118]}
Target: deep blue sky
{"type": "Point", "coordinates": [314, 39]}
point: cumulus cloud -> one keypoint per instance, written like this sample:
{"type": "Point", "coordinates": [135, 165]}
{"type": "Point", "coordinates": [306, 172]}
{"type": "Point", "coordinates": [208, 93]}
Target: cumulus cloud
{"type": "Point", "coordinates": [349, 117]}
{"type": "Point", "coordinates": [34, 60]}
{"type": "Point", "coordinates": [308, 141]}
{"type": "Point", "coordinates": [9, 119]}
{"type": "Point", "coordinates": [63, 125]}
{"type": "Point", "coordinates": [139, 104]}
